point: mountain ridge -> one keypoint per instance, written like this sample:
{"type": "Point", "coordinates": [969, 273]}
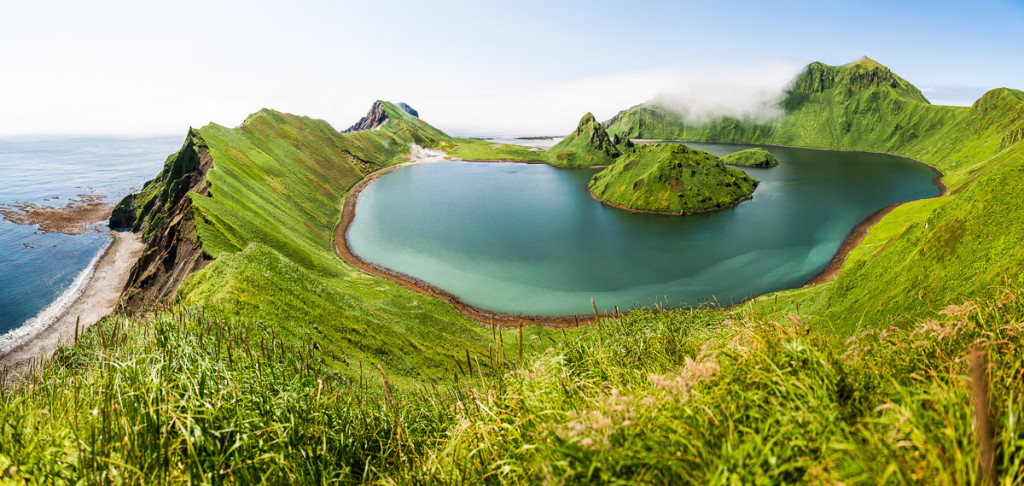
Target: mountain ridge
{"type": "Point", "coordinates": [842, 108]}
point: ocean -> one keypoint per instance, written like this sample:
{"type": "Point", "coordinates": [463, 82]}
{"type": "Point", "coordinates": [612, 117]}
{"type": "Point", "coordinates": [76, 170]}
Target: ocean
{"type": "Point", "coordinates": [42, 273]}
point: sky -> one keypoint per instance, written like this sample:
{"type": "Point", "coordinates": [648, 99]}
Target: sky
{"type": "Point", "coordinates": [471, 68]}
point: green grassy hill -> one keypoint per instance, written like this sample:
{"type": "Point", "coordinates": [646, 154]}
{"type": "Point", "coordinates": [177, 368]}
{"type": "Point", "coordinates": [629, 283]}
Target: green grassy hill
{"type": "Point", "coordinates": [586, 146]}
{"type": "Point", "coordinates": [275, 188]}
{"type": "Point", "coordinates": [924, 255]}
{"type": "Point", "coordinates": [671, 178]}
{"type": "Point", "coordinates": [686, 397]}
{"type": "Point", "coordinates": [754, 157]}
{"type": "Point", "coordinates": [289, 367]}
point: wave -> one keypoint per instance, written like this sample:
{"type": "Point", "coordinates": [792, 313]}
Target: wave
{"type": "Point", "coordinates": [29, 329]}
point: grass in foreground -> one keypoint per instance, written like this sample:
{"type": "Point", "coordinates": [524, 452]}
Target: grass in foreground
{"type": "Point", "coordinates": [701, 397]}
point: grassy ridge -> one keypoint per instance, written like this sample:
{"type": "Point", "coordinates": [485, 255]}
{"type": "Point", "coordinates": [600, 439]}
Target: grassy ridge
{"type": "Point", "coordinates": [276, 188]}
{"type": "Point", "coordinates": [685, 397]}
{"type": "Point", "coordinates": [671, 178]}
{"type": "Point", "coordinates": [938, 257]}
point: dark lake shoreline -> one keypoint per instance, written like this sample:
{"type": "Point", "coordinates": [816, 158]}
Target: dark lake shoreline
{"type": "Point", "coordinates": [484, 315]}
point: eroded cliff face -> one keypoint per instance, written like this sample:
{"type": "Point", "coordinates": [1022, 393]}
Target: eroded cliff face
{"type": "Point", "coordinates": [166, 221]}
{"type": "Point", "coordinates": [373, 120]}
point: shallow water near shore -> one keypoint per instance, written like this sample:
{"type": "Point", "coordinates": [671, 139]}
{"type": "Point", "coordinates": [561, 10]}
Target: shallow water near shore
{"type": "Point", "coordinates": [528, 239]}
{"type": "Point", "coordinates": [39, 272]}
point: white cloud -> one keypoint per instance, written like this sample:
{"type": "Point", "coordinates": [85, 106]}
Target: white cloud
{"type": "Point", "coordinates": [556, 108]}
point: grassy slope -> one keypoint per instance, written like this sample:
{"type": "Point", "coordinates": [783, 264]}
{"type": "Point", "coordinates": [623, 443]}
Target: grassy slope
{"type": "Point", "coordinates": [688, 397]}
{"type": "Point", "coordinates": [702, 397]}
{"type": "Point", "coordinates": [957, 249]}
{"type": "Point", "coordinates": [671, 178]}
{"type": "Point", "coordinates": [276, 190]}
{"type": "Point", "coordinates": [586, 146]}
{"type": "Point", "coordinates": [754, 157]}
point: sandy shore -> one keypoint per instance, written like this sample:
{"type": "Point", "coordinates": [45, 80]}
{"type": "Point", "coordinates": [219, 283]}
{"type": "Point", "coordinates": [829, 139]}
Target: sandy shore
{"type": "Point", "coordinates": [97, 300]}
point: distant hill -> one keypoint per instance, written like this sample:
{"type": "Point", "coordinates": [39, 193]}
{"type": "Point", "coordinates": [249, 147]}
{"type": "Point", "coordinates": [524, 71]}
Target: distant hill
{"type": "Point", "coordinates": [864, 106]}
{"type": "Point", "coordinates": [381, 112]}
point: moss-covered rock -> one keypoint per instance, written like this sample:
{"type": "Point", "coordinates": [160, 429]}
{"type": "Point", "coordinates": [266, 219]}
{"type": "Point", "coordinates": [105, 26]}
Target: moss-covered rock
{"type": "Point", "coordinates": [755, 157]}
{"type": "Point", "coordinates": [671, 179]}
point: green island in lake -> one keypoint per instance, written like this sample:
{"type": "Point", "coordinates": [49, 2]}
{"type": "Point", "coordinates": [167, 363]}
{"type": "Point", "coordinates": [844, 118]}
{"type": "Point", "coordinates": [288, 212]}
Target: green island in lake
{"type": "Point", "coordinates": [753, 157]}
{"type": "Point", "coordinates": [671, 179]}
{"type": "Point", "coordinates": [857, 320]}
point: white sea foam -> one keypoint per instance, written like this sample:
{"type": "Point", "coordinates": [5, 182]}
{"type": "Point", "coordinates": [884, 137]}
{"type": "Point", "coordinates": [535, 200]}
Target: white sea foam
{"type": "Point", "coordinates": [32, 327]}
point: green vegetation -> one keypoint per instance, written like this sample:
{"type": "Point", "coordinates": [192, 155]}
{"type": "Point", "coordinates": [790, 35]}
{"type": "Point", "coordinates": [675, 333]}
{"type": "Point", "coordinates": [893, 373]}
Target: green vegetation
{"type": "Point", "coordinates": [473, 149]}
{"type": "Point", "coordinates": [754, 157]}
{"type": "Point", "coordinates": [587, 146]}
{"type": "Point", "coordinates": [938, 257]}
{"type": "Point", "coordinates": [276, 188]}
{"type": "Point", "coordinates": [671, 178]}
{"type": "Point", "coordinates": [286, 365]}
{"type": "Point", "coordinates": [684, 397]}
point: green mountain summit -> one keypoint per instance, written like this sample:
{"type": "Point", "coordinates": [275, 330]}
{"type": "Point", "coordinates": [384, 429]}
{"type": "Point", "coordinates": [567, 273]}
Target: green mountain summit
{"type": "Point", "coordinates": [588, 145]}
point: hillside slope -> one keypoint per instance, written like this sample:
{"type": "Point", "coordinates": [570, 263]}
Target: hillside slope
{"type": "Point", "coordinates": [260, 203]}
{"type": "Point", "coordinates": [263, 380]}
{"type": "Point", "coordinates": [586, 146]}
{"type": "Point", "coordinates": [944, 251]}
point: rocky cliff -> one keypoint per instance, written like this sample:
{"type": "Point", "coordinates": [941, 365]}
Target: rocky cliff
{"type": "Point", "coordinates": [373, 120]}
{"type": "Point", "coordinates": [378, 116]}
{"type": "Point", "coordinates": [162, 212]}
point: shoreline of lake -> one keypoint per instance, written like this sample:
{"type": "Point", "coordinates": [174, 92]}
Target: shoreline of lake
{"type": "Point", "coordinates": [343, 249]}
{"type": "Point", "coordinates": [483, 316]}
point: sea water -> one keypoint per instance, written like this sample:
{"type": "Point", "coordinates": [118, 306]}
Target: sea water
{"type": "Point", "coordinates": [42, 273]}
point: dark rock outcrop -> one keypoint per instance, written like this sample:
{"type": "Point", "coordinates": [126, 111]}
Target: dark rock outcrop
{"type": "Point", "coordinates": [168, 227]}
{"type": "Point", "coordinates": [373, 120]}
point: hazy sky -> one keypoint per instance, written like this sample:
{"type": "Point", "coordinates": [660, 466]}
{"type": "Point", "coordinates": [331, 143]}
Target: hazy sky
{"type": "Point", "coordinates": [527, 68]}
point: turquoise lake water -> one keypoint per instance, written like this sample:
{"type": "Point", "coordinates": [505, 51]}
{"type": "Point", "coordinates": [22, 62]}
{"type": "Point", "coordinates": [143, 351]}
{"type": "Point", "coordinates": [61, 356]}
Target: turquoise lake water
{"type": "Point", "coordinates": [528, 239]}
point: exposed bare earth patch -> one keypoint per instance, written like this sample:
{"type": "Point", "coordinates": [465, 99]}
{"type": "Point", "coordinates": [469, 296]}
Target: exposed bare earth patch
{"type": "Point", "coordinates": [72, 219]}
